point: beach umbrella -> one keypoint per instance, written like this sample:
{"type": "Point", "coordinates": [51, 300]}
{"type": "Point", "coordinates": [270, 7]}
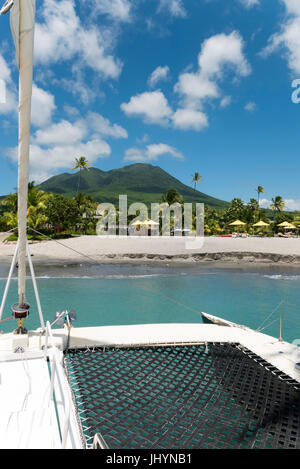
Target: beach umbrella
{"type": "Point", "coordinates": [261, 224]}
{"type": "Point", "coordinates": [137, 223]}
{"type": "Point", "coordinates": [145, 223]}
{"type": "Point", "coordinates": [287, 226]}
{"type": "Point", "coordinates": [284, 224]}
{"type": "Point", "coordinates": [150, 223]}
{"type": "Point", "coordinates": [237, 223]}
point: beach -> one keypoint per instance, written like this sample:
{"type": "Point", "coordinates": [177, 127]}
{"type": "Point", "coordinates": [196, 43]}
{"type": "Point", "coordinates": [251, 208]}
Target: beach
{"type": "Point", "coordinates": [112, 250]}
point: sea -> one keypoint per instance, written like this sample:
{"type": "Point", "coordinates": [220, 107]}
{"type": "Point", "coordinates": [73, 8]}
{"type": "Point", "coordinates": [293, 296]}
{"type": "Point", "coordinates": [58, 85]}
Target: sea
{"type": "Point", "coordinates": [129, 294]}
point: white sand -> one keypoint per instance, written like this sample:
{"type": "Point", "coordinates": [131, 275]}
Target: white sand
{"type": "Point", "coordinates": [122, 248]}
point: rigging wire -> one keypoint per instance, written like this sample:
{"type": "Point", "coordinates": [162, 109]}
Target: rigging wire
{"type": "Point", "coordinates": [95, 261]}
{"type": "Point", "coordinates": [269, 316]}
{"type": "Point", "coordinates": [270, 324]}
{"type": "Point", "coordinates": [170, 299]}
{"type": "Point", "coordinates": [65, 246]}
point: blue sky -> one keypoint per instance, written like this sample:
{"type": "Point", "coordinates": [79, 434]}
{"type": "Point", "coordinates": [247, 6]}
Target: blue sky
{"type": "Point", "coordinates": [189, 85]}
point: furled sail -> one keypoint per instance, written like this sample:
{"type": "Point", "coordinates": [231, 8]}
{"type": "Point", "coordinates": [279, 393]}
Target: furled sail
{"type": "Point", "coordinates": [22, 20]}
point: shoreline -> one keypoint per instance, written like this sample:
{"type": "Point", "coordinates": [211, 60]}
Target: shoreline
{"type": "Point", "coordinates": [218, 260]}
{"type": "Point", "coordinates": [94, 250]}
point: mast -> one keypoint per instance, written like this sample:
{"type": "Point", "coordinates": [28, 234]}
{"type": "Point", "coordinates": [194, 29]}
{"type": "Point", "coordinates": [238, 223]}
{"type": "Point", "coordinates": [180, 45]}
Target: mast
{"type": "Point", "coordinates": [25, 62]}
{"type": "Point", "coordinates": [22, 21]}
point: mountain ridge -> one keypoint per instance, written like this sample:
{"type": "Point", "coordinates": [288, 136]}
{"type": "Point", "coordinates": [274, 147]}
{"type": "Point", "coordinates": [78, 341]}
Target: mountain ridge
{"type": "Point", "coordinates": [140, 181]}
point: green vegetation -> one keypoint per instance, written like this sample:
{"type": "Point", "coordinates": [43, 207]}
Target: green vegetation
{"type": "Point", "coordinates": [172, 197]}
{"type": "Point", "coordinates": [53, 214]}
{"type": "Point", "coordinates": [196, 179]}
{"type": "Point", "coordinates": [278, 204]}
{"type": "Point", "coordinates": [81, 164]}
{"type": "Point", "coordinates": [57, 208]}
{"type": "Point", "coordinates": [140, 182]}
{"type": "Point", "coordinates": [217, 222]}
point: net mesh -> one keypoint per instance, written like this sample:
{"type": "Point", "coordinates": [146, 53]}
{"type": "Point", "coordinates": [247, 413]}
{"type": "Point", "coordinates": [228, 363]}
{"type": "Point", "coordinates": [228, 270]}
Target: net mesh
{"type": "Point", "coordinates": [196, 396]}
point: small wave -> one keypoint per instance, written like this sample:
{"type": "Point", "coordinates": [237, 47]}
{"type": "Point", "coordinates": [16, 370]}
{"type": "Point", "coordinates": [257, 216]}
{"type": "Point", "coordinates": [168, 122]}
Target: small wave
{"type": "Point", "coordinates": [283, 277]}
{"type": "Point", "coordinates": [100, 276]}
{"type": "Point", "coordinates": [85, 277]}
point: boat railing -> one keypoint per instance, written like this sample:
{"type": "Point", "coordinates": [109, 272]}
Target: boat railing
{"type": "Point", "coordinates": [59, 393]}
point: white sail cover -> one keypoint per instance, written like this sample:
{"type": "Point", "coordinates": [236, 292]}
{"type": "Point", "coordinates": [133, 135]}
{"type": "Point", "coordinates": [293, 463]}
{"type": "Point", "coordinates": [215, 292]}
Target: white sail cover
{"type": "Point", "coordinates": [22, 21]}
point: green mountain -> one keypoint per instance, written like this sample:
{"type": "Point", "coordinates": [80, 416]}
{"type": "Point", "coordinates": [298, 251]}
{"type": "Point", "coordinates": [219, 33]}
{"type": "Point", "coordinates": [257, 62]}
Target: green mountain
{"type": "Point", "coordinates": [141, 182]}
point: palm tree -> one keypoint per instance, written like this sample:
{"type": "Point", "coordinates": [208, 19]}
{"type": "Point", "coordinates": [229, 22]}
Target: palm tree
{"type": "Point", "coordinates": [196, 179]}
{"type": "Point", "coordinates": [81, 164]}
{"type": "Point", "coordinates": [278, 203]}
{"type": "Point", "coordinates": [37, 203]}
{"type": "Point", "coordinates": [259, 190]}
{"type": "Point", "coordinates": [172, 196]}
{"type": "Point", "coordinates": [11, 202]}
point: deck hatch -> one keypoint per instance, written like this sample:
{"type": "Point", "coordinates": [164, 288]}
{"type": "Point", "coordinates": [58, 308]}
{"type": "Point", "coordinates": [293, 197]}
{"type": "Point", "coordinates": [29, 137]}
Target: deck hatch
{"type": "Point", "coordinates": [188, 396]}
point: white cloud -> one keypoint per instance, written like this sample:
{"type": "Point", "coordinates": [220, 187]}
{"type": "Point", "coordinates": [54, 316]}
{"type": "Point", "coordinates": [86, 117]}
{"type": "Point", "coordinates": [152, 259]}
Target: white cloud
{"type": "Point", "coordinates": [42, 108]}
{"type": "Point", "coordinates": [55, 145]}
{"type": "Point", "coordinates": [43, 103]}
{"type": "Point", "coordinates": [61, 37]}
{"type": "Point", "coordinates": [196, 86]}
{"type": "Point", "coordinates": [118, 10]}
{"type": "Point", "coordinates": [251, 106]}
{"type": "Point", "coordinates": [151, 153]}
{"type": "Point", "coordinates": [290, 204]}
{"type": "Point", "coordinates": [71, 110]}
{"type": "Point", "coordinates": [288, 39]}
{"type": "Point", "coordinates": [11, 104]}
{"type": "Point", "coordinates": [46, 162]}
{"type": "Point", "coordinates": [60, 133]}
{"type": "Point", "coordinates": [144, 139]}
{"type": "Point", "coordinates": [102, 126]}
{"type": "Point", "coordinates": [218, 54]}
{"type": "Point", "coordinates": [65, 132]}
{"type": "Point", "coordinates": [292, 6]}
{"type": "Point", "coordinates": [222, 51]}
{"type": "Point", "coordinates": [249, 3]}
{"type": "Point", "coordinates": [5, 73]}
{"type": "Point", "coordinates": [159, 74]}
{"type": "Point", "coordinates": [152, 106]}
{"type": "Point", "coordinates": [174, 7]}
{"type": "Point", "coordinates": [226, 101]}
{"type": "Point", "coordinates": [78, 87]}
{"type": "Point", "coordinates": [187, 119]}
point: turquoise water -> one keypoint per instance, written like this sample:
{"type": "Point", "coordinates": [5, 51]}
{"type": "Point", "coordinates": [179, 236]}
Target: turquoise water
{"type": "Point", "coordinates": [137, 295]}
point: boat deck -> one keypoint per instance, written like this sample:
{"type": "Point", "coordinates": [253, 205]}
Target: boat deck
{"type": "Point", "coordinates": [185, 386]}
{"type": "Point", "coordinates": [282, 355]}
{"type": "Point", "coordinates": [153, 353]}
{"type": "Point", "coordinates": [184, 396]}
{"type": "Point", "coordinates": [28, 419]}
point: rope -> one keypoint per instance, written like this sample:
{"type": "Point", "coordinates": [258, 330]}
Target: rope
{"type": "Point", "coordinates": [268, 325]}
{"type": "Point", "coordinates": [3, 320]}
{"type": "Point", "coordinates": [270, 315]}
{"type": "Point", "coordinates": [170, 299]}
{"type": "Point", "coordinates": [100, 264]}
{"type": "Point", "coordinates": [65, 246]}
{"type": "Point", "coordinates": [95, 261]}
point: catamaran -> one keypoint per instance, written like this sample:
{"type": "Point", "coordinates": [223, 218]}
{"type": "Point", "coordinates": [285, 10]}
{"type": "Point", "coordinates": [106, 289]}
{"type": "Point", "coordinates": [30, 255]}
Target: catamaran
{"type": "Point", "coordinates": [211, 385]}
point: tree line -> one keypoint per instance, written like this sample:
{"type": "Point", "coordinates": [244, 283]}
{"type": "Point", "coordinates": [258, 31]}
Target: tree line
{"type": "Point", "coordinates": [59, 216]}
